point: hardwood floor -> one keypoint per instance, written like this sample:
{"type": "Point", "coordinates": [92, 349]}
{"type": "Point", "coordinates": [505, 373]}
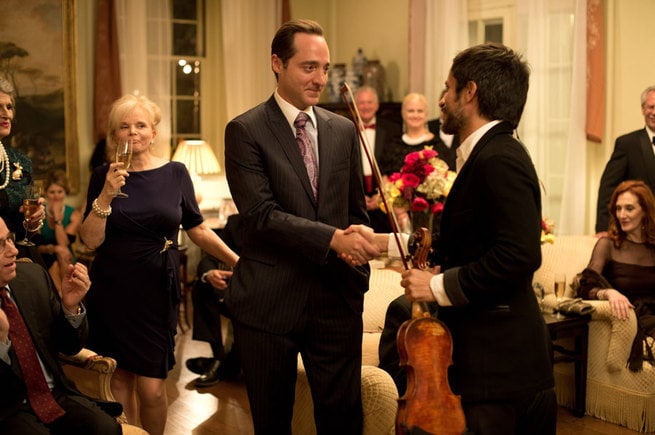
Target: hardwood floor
{"type": "Point", "coordinates": [223, 409]}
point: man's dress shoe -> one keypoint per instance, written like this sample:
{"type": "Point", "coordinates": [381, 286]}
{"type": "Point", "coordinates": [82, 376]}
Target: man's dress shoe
{"type": "Point", "coordinates": [199, 365]}
{"type": "Point", "coordinates": [211, 376]}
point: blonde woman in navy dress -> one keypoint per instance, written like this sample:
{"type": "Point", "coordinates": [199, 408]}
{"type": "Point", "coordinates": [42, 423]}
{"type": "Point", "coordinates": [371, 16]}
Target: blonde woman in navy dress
{"type": "Point", "coordinates": [133, 303]}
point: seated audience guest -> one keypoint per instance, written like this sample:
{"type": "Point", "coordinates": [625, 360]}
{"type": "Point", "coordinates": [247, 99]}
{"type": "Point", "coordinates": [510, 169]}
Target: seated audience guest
{"type": "Point", "coordinates": [35, 325]}
{"type": "Point", "coordinates": [60, 227]}
{"type": "Point", "coordinates": [622, 265]}
{"type": "Point", "coordinates": [208, 295]}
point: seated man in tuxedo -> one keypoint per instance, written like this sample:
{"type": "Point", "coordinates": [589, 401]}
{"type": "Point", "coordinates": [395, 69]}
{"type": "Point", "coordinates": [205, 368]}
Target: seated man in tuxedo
{"type": "Point", "coordinates": [210, 315]}
{"type": "Point", "coordinates": [35, 325]}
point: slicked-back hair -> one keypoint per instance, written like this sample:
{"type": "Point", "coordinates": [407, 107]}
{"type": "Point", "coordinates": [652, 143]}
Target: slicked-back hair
{"type": "Point", "coordinates": [502, 78]}
{"type": "Point", "coordinates": [283, 41]}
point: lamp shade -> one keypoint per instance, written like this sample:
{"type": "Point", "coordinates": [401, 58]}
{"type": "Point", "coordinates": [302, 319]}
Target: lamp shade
{"type": "Point", "coordinates": [198, 157]}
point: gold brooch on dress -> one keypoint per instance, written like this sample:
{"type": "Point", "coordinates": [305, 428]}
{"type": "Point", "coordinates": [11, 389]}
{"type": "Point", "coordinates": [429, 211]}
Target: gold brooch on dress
{"type": "Point", "coordinates": [18, 173]}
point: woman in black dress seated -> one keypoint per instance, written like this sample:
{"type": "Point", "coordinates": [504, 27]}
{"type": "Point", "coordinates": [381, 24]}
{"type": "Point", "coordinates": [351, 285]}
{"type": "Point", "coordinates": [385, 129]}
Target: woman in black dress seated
{"type": "Point", "coordinates": [622, 265]}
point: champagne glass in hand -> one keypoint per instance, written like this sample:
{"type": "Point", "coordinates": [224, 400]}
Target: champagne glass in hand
{"type": "Point", "coordinates": [123, 155]}
{"type": "Point", "coordinates": [30, 206]}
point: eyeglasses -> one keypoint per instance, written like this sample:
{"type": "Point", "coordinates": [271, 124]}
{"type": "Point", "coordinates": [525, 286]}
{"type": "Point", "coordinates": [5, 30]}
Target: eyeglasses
{"type": "Point", "coordinates": [11, 237]}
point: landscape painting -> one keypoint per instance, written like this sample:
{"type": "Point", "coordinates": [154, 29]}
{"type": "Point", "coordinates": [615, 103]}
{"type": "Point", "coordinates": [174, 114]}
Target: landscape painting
{"type": "Point", "coordinates": [37, 55]}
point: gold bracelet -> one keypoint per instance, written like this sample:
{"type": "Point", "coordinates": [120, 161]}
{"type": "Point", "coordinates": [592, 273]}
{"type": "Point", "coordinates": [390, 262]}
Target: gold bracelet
{"type": "Point", "coordinates": [95, 208]}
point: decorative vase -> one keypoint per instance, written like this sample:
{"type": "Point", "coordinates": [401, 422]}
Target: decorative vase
{"type": "Point", "coordinates": [374, 77]}
{"type": "Point", "coordinates": [423, 219]}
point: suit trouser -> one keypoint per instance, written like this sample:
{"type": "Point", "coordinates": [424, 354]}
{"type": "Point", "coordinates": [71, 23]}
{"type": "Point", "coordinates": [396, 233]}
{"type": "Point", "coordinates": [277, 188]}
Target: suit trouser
{"type": "Point", "coordinates": [82, 416]}
{"type": "Point", "coordinates": [533, 415]}
{"type": "Point", "coordinates": [329, 338]}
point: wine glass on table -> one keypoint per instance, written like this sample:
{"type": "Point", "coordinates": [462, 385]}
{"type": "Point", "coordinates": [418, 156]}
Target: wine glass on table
{"type": "Point", "coordinates": [560, 287]}
{"type": "Point", "coordinates": [123, 155]}
{"type": "Point", "coordinates": [30, 206]}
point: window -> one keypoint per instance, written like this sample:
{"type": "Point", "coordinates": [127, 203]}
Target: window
{"type": "Point", "coordinates": [188, 30]}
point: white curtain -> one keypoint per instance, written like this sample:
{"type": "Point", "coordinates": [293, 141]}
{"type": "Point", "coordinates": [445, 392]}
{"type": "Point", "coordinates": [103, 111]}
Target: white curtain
{"type": "Point", "coordinates": [145, 44]}
{"type": "Point", "coordinates": [552, 127]}
{"type": "Point", "coordinates": [438, 31]}
{"type": "Point", "coordinates": [248, 29]}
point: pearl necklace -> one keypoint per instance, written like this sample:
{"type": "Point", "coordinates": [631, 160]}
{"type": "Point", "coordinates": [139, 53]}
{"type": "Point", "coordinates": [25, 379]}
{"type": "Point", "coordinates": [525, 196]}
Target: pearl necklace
{"type": "Point", "coordinates": [4, 165]}
{"type": "Point", "coordinates": [415, 140]}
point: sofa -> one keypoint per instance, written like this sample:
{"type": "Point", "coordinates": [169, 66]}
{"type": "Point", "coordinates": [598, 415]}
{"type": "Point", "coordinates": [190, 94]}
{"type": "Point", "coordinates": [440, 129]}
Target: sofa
{"type": "Point", "coordinates": [614, 393]}
{"type": "Point", "coordinates": [379, 393]}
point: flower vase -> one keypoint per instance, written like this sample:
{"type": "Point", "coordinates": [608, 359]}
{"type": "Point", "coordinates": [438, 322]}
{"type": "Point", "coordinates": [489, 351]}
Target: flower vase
{"type": "Point", "coordinates": [423, 219]}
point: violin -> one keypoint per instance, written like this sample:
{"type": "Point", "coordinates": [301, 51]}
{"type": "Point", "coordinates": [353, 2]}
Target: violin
{"type": "Point", "coordinates": [425, 349]}
{"type": "Point", "coordinates": [424, 343]}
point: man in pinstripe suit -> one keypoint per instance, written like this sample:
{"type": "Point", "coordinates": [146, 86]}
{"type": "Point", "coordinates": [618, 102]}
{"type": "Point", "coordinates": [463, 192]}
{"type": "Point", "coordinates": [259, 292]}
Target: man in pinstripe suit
{"type": "Point", "coordinates": [290, 292]}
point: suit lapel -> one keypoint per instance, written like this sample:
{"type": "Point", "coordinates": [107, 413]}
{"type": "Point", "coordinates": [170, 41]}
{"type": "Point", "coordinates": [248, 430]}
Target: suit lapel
{"type": "Point", "coordinates": [287, 141]}
{"type": "Point", "coordinates": [647, 154]}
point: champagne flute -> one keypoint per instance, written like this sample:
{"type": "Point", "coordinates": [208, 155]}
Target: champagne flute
{"type": "Point", "coordinates": [123, 155]}
{"type": "Point", "coordinates": [560, 287]}
{"type": "Point", "coordinates": [30, 206]}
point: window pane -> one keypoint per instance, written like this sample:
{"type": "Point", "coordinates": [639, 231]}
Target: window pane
{"type": "Point", "coordinates": [185, 40]}
{"type": "Point", "coordinates": [185, 9]}
{"type": "Point", "coordinates": [188, 117]}
{"type": "Point", "coordinates": [187, 78]}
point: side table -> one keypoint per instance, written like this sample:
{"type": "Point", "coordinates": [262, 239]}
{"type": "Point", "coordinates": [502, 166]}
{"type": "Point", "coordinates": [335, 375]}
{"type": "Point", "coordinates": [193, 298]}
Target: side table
{"type": "Point", "coordinates": [576, 327]}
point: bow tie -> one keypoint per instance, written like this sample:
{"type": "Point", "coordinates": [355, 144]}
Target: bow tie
{"type": "Point", "coordinates": [370, 126]}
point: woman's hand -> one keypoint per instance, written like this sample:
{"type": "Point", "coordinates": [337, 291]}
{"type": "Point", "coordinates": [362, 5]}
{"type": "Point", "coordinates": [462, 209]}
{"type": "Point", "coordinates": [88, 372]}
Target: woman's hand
{"type": "Point", "coordinates": [619, 304]}
{"type": "Point", "coordinates": [115, 179]}
{"type": "Point", "coordinates": [218, 278]}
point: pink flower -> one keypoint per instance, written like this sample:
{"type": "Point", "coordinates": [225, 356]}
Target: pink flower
{"type": "Point", "coordinates": [419, 204]}
{"type": "Point", "coordinates": [410, 180]}
{"type": "Point", "coordinates": [437, 207]}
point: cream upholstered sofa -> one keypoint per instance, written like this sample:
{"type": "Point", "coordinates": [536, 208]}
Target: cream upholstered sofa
{"type": "Point", "coordinates": [614, 393]}
{"type": "Point", "coordinates": [379, 393]}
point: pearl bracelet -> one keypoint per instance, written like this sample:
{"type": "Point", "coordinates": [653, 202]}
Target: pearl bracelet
{"type": "Point", "coordinates": [95, 208]}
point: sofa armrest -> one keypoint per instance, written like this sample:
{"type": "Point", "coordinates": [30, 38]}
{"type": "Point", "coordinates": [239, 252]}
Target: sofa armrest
{"type": "Point", "coordinates": [621, 334]}
{"type": "Point", "coordinates": [89, 360]}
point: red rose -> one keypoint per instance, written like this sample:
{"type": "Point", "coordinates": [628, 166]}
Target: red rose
{"type": "Point", "coordinates": [419, 204]}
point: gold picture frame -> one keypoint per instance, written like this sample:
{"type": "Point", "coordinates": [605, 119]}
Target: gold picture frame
{"type": "Point", "coordinates": [38, 49]}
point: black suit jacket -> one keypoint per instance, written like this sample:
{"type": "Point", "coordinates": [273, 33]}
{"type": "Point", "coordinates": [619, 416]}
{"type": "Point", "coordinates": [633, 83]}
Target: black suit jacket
{"type": "Point", "coordinates": [489, 250]}
{"type": "Point", "coordinates": [40, 306]}
{"type": "Point", "coordinates": [632, 159]}
{"type": "Point", "coordinates": [385, 132]}
{"type": "Point", "coordinates": [285, 254]}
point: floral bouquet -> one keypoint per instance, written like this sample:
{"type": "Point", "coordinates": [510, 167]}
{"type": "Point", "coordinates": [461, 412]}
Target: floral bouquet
{"type": "Point", "coordinates": [422, 184]}
{"type": "Point", "coordinates": [547, 228]}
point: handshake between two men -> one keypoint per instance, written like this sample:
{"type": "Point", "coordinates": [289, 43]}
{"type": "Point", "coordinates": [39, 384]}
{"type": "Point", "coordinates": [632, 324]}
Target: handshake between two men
{"type": "Point", "coordinates": [358, 244]}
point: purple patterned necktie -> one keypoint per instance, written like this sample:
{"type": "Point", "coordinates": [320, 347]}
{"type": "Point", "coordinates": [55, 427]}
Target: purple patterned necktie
{"type": "Point", "coordinates": [306, 150]}
{"type": "Point", "coordinates": [39, 395]}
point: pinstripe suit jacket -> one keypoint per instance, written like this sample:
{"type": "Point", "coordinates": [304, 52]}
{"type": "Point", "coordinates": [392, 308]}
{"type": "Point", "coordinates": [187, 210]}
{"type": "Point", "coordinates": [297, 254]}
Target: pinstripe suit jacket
{"type": "Point", "coordinates": [285, 254]}
{"type": "Point", "coordinates": [37, 300]}
{"type": "Point", "coordinates": [632, 159]}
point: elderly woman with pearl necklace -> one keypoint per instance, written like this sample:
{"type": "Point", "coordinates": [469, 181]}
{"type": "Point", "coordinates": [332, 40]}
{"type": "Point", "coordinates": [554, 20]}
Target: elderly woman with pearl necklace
{"type": "Point", "coordinates": [15, 172]}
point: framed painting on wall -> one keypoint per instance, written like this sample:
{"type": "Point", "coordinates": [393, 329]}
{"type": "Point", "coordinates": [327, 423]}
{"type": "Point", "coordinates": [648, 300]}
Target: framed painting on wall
{"type": "Point", "coordinates": [37, 55]}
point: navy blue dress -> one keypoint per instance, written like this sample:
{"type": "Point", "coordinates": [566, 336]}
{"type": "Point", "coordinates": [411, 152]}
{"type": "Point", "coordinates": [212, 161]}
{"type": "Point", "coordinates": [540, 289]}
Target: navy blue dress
{"type": "Point", "coordinates": [135, 292]}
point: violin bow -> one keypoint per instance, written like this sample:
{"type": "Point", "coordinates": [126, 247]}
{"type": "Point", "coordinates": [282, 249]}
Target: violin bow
{"type": "Point", "coordinates": [354, 113]}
